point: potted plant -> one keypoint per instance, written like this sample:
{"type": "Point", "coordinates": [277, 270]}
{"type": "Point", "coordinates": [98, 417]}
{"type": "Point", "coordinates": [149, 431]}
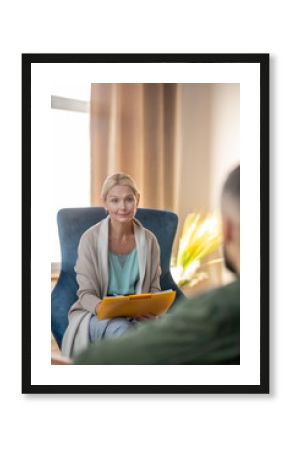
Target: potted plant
{"type": "Point", "coordinates": [198, 247]}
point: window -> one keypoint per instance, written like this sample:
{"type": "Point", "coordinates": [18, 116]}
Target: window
{"type": "Point", "coordinates": [71, 160]}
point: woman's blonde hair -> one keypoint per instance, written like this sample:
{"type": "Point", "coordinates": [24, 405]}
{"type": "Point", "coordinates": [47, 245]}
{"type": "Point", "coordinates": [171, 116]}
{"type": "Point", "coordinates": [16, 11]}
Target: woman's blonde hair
{"type": "Point", "coordinates": [118, 179]}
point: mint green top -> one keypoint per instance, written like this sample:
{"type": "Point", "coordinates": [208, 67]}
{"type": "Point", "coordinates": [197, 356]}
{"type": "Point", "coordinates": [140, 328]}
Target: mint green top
{"type": "Point", "coordinates": [123, 273]}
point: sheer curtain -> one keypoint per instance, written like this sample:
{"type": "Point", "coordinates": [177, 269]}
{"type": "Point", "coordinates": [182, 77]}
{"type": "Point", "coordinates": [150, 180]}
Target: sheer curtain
{"type": "Point", "coordinates": [135, 129]}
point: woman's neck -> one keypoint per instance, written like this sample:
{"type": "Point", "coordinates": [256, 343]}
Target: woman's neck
{"type": "Point", "coordinates": [120, 230]}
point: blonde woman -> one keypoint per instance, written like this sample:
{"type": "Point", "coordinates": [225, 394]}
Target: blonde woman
{"type": "Point", "coordinates": [117, 256]}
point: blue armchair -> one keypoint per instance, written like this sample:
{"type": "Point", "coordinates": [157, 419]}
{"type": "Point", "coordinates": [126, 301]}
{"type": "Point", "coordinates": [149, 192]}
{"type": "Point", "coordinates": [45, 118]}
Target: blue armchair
{"type": "Point", "coordinates": [72, 223]}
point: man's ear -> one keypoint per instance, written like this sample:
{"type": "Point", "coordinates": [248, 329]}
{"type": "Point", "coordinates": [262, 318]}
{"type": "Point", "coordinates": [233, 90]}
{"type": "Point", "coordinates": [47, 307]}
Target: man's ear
{"type": "Point", "coordinates": [227, 229]}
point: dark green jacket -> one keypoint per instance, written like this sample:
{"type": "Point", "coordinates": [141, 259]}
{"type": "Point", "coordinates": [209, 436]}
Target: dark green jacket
{"type": "Point", "coordinates": [203, 330]}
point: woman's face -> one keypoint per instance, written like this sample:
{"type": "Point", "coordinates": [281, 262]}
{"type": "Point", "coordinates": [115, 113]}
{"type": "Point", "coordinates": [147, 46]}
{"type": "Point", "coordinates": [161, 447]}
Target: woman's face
{"type": "Point", "coordinates": [121, 203]}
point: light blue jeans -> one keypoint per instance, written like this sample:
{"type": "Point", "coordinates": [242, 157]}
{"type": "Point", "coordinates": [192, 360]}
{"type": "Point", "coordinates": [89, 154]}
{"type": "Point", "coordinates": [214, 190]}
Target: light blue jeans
{"type": "Point", "coordinates": [104, 329]}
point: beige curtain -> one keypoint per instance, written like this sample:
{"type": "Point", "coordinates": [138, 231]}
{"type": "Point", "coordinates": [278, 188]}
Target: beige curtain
{"type": "Point", "coordinates": [135, 129]}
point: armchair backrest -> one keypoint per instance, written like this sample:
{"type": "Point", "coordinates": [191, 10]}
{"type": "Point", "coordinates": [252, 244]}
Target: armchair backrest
{"type": "Point", "coordinates": [72, 223]}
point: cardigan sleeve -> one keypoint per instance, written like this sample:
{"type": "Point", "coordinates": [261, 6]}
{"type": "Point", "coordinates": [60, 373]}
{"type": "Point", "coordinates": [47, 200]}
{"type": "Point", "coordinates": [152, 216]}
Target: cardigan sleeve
{"type": "Point", "coordinates": [155, 266]}
{"type": "Point", "coordinates": [86, 275]}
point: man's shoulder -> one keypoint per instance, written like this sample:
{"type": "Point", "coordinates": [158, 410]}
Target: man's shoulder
{"type": "Point", "coordinates": [229, 290]}
{"type": "Point", "coordinates": [222, 298]}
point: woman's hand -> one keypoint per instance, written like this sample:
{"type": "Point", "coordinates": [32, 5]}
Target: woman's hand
{"type": "Point", "coordinates": [97, 308]}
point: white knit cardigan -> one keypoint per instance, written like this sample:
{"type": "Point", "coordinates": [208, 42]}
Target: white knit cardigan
{"type": "Point", "coordinates": [92, 276]}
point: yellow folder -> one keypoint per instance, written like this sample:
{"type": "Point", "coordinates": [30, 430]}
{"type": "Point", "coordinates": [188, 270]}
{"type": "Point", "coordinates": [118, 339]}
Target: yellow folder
{"type": "Point", "coordinates": [136, 305]}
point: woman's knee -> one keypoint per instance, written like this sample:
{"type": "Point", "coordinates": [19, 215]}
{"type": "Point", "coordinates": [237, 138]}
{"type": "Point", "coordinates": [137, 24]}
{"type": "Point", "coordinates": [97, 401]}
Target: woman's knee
{"type": "Point", "coordinates": [103, 329]}
{"type": "Point", "coordinates": [97, 329]}
{"type": "Point", "coordinates": [118, 327]}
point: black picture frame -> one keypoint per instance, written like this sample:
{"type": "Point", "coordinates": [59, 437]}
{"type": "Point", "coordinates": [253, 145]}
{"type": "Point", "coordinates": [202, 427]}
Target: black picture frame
{"type": "Point", "coordinates": [247, 58]}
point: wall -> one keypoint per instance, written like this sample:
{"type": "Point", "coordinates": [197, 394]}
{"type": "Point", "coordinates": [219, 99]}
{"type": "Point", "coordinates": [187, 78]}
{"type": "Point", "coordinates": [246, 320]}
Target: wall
{"type": "Point", "coordinates": [194, 152]}
{"type": "Point", "coordinates": [209, 145]}
{"type": "Point", "coordinates": [224, 136]}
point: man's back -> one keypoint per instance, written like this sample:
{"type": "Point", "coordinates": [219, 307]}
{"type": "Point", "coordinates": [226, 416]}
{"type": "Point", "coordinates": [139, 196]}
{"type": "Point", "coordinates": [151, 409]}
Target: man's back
{"type": "Point", "coordinates": [203, 330]}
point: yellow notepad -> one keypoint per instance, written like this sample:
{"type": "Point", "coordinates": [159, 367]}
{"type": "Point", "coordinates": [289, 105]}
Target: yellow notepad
{"type": "Point", "coordinates": [136, 305]}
